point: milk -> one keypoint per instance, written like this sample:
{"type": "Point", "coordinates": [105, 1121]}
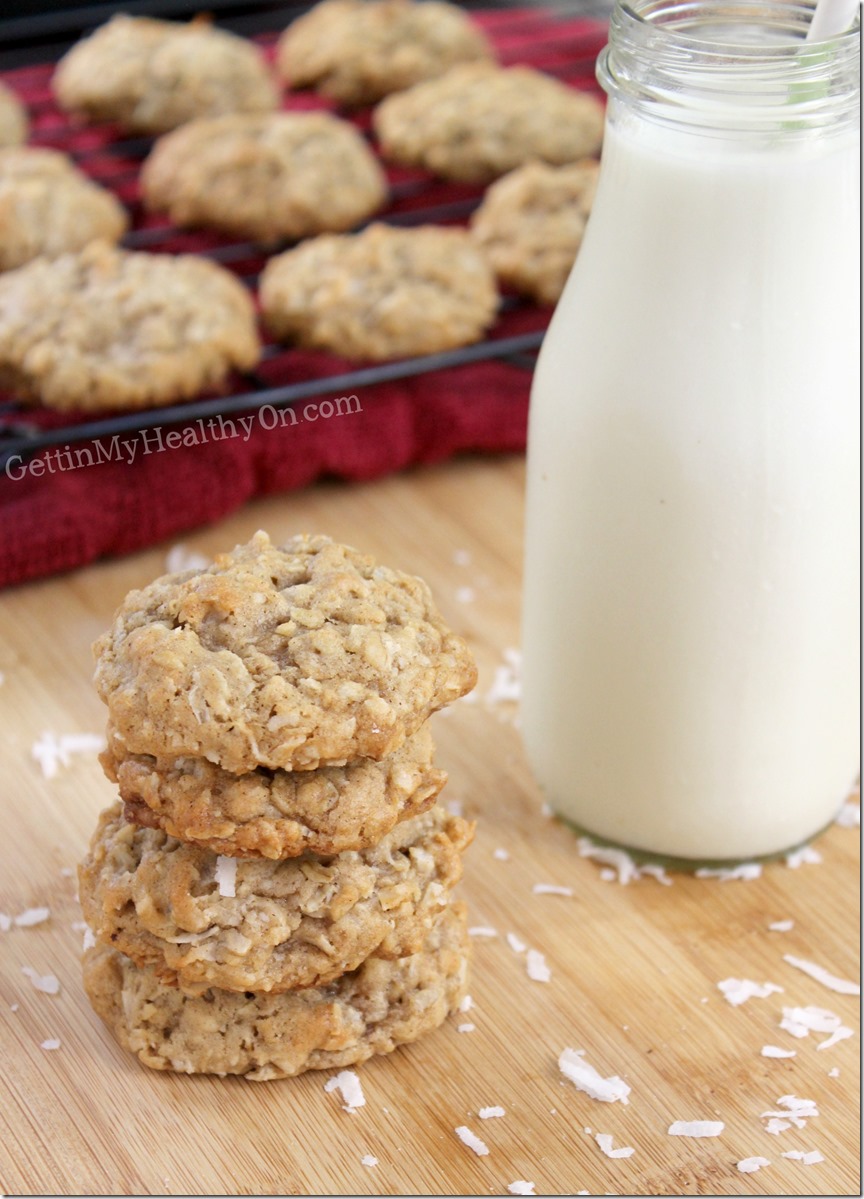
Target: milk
{"type": "Point", "coordinates": [691, 619]}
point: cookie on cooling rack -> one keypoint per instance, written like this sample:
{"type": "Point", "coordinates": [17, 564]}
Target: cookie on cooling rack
{"type": "Point", "coordinates": [150, 75]}
{"type": "Point", "coordinates": [276, 925]}
{"type": "Point", "coordinates": [383, 293]}
{"type": "Point", "coordinates": [286, 657]}
{"type": "Point", "coordinates": [107, 328]}
{"type": "Point", "coordinates": [531, 223]}
{"type": "Point", "coordinates": [371, 1010]}
{"type": "Point", "coordinates": [13, 118]}
{"type": "Point", "coordinates": [356, 51]}
{"type": "Point", "coordinates": [480, 120]}
{"type": "Point", "coordinates": [48, 206]}
{"type": "Point", "coordinates": [266, 176]}
{"type": "Point", "coordinates": [276, 813]}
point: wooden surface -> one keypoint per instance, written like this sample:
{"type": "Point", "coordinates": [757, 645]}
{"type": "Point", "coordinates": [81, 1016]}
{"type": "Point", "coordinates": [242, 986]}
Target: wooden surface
{"type": "Point", "coordinates": [634, 968]}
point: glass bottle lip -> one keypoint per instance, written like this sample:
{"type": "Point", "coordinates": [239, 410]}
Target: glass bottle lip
{"type": "Point", "coordinates": [744, 63]}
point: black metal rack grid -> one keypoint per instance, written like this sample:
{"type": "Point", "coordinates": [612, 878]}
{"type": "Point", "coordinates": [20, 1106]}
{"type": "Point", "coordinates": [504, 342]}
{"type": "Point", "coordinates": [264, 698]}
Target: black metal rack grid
{"type": "Point", "coordinates": [553, 42]}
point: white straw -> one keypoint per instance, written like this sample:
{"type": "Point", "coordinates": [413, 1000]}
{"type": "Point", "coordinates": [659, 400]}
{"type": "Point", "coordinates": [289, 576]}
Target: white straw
{"type": "Point", "coordinates": [831, 18]}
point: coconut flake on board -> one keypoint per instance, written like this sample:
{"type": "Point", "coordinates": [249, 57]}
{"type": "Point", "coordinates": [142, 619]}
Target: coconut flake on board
{"type": "Point", "coordinates": [47, 983]}
{"type": "Point", "coordinates": [695, 1128]}
{"type": "Point", "coordinates": [739, 990]}
{"type": "Point", "coordinates": [491, 1113]}
{"type": "Point", "coordinates": [551, 889]}
{"type": "Point", "coordinates": [605, 1141]}
{"type": "Point", "coordinates": [348, 1085]}
{"type": "Point", "coordinates": [501, 854]}
{"type": "Point", "coordinates": [516, 943]}
{"type": "Point", "coordinates": [849, 815]}
{"type": "Point", "coordinates": [776, 1051]}
{"type": "Point", "coordinates": [621, 867]}
{"type": "Point", "coordinates": [465, 1027]}
{"type": "Point", "coordinates": [746, 872]}
{"type": "Point", "coordinates": [482, 930]}
{"type": "Point", "coordinates": [781, 926]}
{"type": "Point", "coordinates": [521, 1187]}
{"type": "Point", "coordinates": [32, 916]}
{"type": "Point", "coordinates": [535, 964]}
{"type": "Point", "coordinates": [794, 1112]}
{"type": "Point", "coordinates": [52, 751]}
{"type": "Point", "coordinates": [801, 1021]}
{"type": "Point", "coordinates": [585, 1078]}
{"type": "Point", "coordinates": [466, 1003]}
{"type": "Point", "coordinates": [5, 922]}
{"type": "Point", "coordinates": [841, 985]}
{"type": "Point", "coordinates": [749, 1165]}
{"type": "Point", "coordinates": [809, 1158]}
{"type": "Point", "coordinates": [368, 1160]}
{"type": "Point", "coordinates": [804, 856]}
{"type": "Point", "coordinates": [51, 1043]}
{"type": "Point", "coordinates": [467, 1137]}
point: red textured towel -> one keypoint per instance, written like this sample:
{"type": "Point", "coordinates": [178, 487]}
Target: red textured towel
{"type": "Point", "coordinates": [147, 485]}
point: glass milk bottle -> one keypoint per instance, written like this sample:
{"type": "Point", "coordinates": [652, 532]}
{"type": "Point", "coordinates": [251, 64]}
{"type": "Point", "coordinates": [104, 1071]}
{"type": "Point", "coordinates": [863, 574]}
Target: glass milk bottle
{"type": "Point", "coordinates": [691, 597]}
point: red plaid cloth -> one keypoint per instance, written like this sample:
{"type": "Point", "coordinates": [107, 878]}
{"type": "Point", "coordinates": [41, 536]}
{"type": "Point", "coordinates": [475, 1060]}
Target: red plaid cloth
{"type": "Point", "coordinates": [186, 476]}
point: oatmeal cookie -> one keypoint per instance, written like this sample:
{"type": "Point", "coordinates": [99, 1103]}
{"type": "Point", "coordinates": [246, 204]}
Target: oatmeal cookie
{"type": "Point", "coordinates": [48, 206]}
{"type": "Point", "coordinates": [13, 118]}
{"type": "Point", "coordinates": [371, 1010]}
{"type": "Point", "coordinates": [531, 223]}
{"type": "Point", "coordinates": [108, 328]}
{"type": "Point", "coordinates": [276, 813]}
{"type": "Point", "coordinates": [276, 926]}
{"type": "Point", "coordinates": [288, 658]}
{"type": "Point", "coordinates": [267, 176]}
{"type": "Point", "coordinates": [150, 76]}
{"type": "Point", "coordinates": [356, 51]}
{"type": "Point", "coordinates": [479, 121]}
{"type": "Point", "coordinates": [383, 293]}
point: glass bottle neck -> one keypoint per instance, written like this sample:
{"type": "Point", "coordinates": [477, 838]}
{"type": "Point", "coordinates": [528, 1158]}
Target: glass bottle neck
{"type": "Point", "coordinates": [731, 66]}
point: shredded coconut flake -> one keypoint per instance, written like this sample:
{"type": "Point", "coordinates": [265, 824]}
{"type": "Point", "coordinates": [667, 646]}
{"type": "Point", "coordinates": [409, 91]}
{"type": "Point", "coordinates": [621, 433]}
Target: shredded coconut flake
{"type": "Point", "coordinates": [180, 558]}
{"type": "Point", "coordinates": [516, 943]}
{"type": "Point", "coordinates": [801, 1021]}
{"type": "Point", "coordinates": [507, 686]}
{"type": "Point", "coordinates": [454, 806]}
{"type": "Point", "coordinates": [551, 889]}
{"type": "Point", "coordinates": [776, 1051]}
{"type": "Point", "coordinates": [466, 1004]}
{"type": "Point", "coordinates": [834, 1072]}
{"type": "Point", "coordinates": [465, 1027]}
{"type": "Point", "coordinates": [348, 1085]}
{"type": "Point", "coordinates": [749, 1165]}
{"type": "Point", "coordinates": [604, 1140]}
{"type": "Point", "coordinates": [849, 815]}
{"type": "Point", "coordinates": [794, 1111]}
{"type": "Point", "coordinates": [585, 1078]}
{"type": "Point", "coordinates": [739, 990]}
{"type": "Point", "coordinates": [482, 930]}
{"type": "Point", "coordinates": [368, 1160]}
{"type": "Point", "coordinates": [803, 856]}
{"type": "Point", "coordinates": [535, 963]}
{"type": "Point", "coordinates": [5, 922]}
{"type": "Point", "coordinates": [51, 1043]}
{"type": "Point", "coordinates": [781, 926]}
{"type": "Point", "coordinates": [490, 1113]}
{"type": "Point", "coordinates": [465, 595]}
{"type": "Point", "coordinates": [88, 940]}
{"type": "Point", "coordinates": [467, 1137]}
{"type": "Point", "coordinates": [747, 871]}
{"type": "Point", "coordinates": [841, 985]}
{"type": "Point", "coordinates": [501, 854]}
{"type": "Point", "coordinates": [226, 876]}
{"type": "Point", "coordinates": [33, 916]}
{"type": "Point", "coordinates": [807, 1159]}
{"type": "Point", "coordinates": [696, 1128]}
{"type": "Point", "coordinates": [521, 1187]}
{"type": "Point", "coordinates": [622, 867]}
{"type": "Point", "coordinates": [42, 982]}
{"type": "Point", "coordinates": [52, 751]}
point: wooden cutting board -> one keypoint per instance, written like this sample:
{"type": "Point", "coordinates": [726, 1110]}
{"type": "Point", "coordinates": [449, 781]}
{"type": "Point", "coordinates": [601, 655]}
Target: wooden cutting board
{"type": "Point", "coordinates": [634, 969]}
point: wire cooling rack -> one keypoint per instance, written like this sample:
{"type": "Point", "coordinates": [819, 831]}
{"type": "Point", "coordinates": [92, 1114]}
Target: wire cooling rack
{"type": "Point", "coordinates": [29, 47]}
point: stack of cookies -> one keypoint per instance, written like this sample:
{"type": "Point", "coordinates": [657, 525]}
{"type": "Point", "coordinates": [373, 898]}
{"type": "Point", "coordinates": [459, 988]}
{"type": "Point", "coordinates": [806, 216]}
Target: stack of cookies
{"type": "Point", "coordinates": [273, 892]}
